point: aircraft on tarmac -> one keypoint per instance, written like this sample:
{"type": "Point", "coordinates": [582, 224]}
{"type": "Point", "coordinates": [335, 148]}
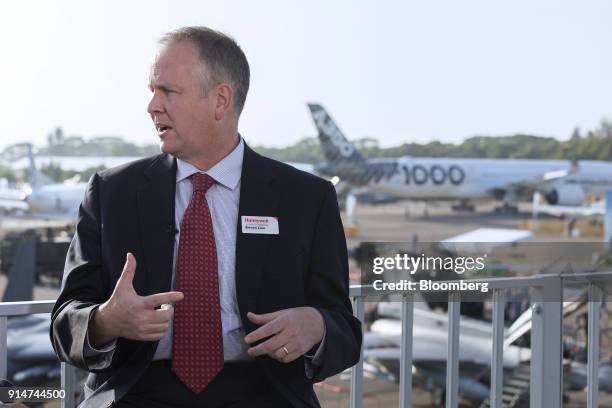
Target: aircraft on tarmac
{"type": "Point", "coordinates": [45, 199]}
{"type": "Point", "coordinates": [429, 353]}
{"type": "Point", "coordinates": [429, 348]}
{"type": "Point", "coordinates": [382, 343]}
{"type": "Point", "coordinates": [560, 182]}
{"type": "Point", "coordinates": [12, 200]}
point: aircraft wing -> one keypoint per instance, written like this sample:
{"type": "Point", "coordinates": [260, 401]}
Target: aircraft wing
{"type": "Point", "coordinates": [383, 353]}
{"type": "Point", "coordinates": [67, 218]}
{"type": "Point", "coordinates": [539, 183]}
{"type": "Point", "coordinates": [543, 183]}
{"type": "Point", "coordinates": [429, 344]}
{"type": "Point", "coordinates": [9, 205]}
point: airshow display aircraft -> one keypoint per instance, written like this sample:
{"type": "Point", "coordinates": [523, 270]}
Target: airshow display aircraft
{"type": "Point", "coordinates": [560, 182]}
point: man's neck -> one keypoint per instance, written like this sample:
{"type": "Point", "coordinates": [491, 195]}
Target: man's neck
{"type": "Point", "coordinates": [215, 154]}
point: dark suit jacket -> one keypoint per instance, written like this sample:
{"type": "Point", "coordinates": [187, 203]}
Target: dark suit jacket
{"type": "Point", "coordinates": [131, 209]}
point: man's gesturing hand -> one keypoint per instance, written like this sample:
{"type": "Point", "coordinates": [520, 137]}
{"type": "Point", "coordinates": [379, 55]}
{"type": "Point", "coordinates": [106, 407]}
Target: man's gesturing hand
{"type": "Point", "coordinates": [292, 333]}
{"type": "Point", "coordinates": [128, 315]}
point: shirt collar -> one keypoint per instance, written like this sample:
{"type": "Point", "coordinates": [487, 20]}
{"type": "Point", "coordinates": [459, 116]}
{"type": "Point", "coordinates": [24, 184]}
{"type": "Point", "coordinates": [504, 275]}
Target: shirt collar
{"type": "Point", "coordinates": [227, 172]}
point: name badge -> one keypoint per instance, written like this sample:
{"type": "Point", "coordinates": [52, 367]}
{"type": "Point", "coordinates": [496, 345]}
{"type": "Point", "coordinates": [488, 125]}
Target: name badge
{"type": "Point", "coordinates": [253, 224]}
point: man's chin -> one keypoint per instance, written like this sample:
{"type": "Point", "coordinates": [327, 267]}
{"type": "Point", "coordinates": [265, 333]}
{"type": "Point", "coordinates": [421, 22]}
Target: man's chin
{"type": "Point", "coordinates": [167, 148]}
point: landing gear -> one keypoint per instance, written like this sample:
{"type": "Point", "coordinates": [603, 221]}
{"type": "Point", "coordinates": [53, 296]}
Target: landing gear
{"type": "Point", "coordinates": [506, 209]}
{"type": "Point", "coordinates": [509, 206]}
{"type": "Point", "coordinates": [464, 206]}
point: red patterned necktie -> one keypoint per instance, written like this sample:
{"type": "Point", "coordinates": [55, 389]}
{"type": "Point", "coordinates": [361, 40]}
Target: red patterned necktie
{"type": "Point", "coordinates": [197, 341]}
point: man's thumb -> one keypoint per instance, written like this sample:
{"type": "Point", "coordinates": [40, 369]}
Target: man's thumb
{"type": "Point", "coordinates": [129, 269]}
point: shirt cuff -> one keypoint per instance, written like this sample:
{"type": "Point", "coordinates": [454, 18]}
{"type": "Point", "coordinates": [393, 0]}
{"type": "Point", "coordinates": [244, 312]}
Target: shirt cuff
{"type": "Point", "coordinates": [311, 361]}
{"type": "Point", "coordinates": [318, 355]}
{"type": "Point", "coordinates": [89, 350]}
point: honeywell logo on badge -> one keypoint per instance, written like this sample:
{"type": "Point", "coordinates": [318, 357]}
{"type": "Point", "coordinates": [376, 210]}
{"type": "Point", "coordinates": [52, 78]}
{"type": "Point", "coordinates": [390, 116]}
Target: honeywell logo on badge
{"type": "Point", "coordinates": [252, 224]}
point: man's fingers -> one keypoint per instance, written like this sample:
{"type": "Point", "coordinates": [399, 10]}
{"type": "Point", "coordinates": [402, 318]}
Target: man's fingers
{"type": "Point", "coordinates": [156, 328]}
{"type": "Point", "coordinates": [152, 336]}
{"type": "Point", "coordinates": [264, 331]}
{"type": "Point", "coordinates": [167, 310]}
{"type": "Point", "coordinates": [263, 318]}
{"type": "Point", "coordinates": [150, 331]}
{"type": "Point", "coordinates": [162, 315]}
{"type": "Point", "coordinates": [129, 269]}
{"type": "Point", "coordinates": [158, 299]}
{"type": "Point", "coordinates": [290, 357]}
{"type": "Point", "coordinates": [268, 346]}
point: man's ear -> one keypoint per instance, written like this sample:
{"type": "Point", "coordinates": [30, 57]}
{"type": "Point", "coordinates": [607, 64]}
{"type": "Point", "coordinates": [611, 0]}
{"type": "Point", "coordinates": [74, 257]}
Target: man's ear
{"type": "Point", "coordinates": [224, 100]}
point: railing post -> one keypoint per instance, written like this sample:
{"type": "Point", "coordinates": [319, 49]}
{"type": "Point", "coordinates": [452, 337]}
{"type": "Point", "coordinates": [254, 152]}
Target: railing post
{"type": "Point", "coordinates": [595, 297]}
{"type": "Point", "coordinates": [357, 370]}
{"type": "Point", "coordinates": [546, 344]}
{"type": "Point", "coordinates": [406, 351]}
{"type": "Point", "coordinates": [3, 347]}
{"type": "Point", "coordinates": [452, 356]}
{"type": "Point", "coordinates": [497, 359]}
{"type": "Point", "coordinates": [68, 383]}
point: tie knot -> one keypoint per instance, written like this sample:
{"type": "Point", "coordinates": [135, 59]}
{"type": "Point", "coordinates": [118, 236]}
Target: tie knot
{"type": "Point", "coordinates": [201, 182]}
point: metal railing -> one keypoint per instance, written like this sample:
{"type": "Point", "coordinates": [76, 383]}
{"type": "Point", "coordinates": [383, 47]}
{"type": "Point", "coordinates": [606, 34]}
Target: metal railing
{"type": "Point", "coordinates": [546, 339]}
{"type": "Point", "coordinates": [12, 309]}
{"type": "Point", "coordinates": [546, 381]}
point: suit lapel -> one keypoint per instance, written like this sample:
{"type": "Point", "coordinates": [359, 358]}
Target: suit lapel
{"type": "Point", "coordinates": [258, 196]}
{"type": "Point", "coordinates": [156, 218]}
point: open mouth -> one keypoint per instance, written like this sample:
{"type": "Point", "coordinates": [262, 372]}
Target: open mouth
{"type": "Point", "coordinates": [162, 128]}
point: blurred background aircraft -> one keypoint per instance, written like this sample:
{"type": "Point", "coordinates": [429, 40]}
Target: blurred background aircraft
{"type": "Point", "coordinates": [560, 182]}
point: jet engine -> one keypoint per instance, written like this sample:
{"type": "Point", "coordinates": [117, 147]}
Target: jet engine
{"type": "Point", "coordinates": [565, 194]}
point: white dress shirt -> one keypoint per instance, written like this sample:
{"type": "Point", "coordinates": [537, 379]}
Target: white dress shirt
{"type": "Point", "coordinates": [223, 199]}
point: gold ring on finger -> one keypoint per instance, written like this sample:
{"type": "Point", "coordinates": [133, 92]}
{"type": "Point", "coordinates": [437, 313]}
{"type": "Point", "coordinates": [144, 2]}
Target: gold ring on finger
{"type": "Point", "coordinates": [285, 350]}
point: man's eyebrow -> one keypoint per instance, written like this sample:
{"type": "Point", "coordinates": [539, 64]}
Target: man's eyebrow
{"type": "Point", "coordinates": [163, 87]}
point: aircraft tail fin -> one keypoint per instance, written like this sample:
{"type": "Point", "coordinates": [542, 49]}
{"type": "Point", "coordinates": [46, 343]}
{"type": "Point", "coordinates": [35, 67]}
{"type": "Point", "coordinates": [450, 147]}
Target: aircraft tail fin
{"type": "Point", "coordinates": [36, 178]}
{"type": "Point", "coordinates": [343, 158]}
{"type": "Point", "coordinates": [335, 145]}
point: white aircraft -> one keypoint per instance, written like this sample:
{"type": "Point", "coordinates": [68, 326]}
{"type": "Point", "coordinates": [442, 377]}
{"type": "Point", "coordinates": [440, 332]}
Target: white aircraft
{"type": "Point", "coordinates": [44, 199]}
{"type": "Point", "coordinates": [560, 182]}
{"type": "Point", "coordinates": [56, 199]}
{"type": "Point", "coordinates": [429, 348]}
{"type": "Point", "coordinates": [12, 200]}
{"type": "Point", "coordinates": [52, 199]}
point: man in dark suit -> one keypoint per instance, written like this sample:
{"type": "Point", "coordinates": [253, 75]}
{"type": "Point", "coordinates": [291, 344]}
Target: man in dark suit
{"type": "Point", "coordinates": [206, 276]}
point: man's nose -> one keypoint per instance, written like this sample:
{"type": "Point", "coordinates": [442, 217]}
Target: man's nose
{"type": "Point", "coordinates": [155, 104]}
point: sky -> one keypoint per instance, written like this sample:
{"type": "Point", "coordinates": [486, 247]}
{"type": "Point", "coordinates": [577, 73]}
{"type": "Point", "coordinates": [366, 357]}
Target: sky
{"type": "Point", "coordinates": [399, 71]}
